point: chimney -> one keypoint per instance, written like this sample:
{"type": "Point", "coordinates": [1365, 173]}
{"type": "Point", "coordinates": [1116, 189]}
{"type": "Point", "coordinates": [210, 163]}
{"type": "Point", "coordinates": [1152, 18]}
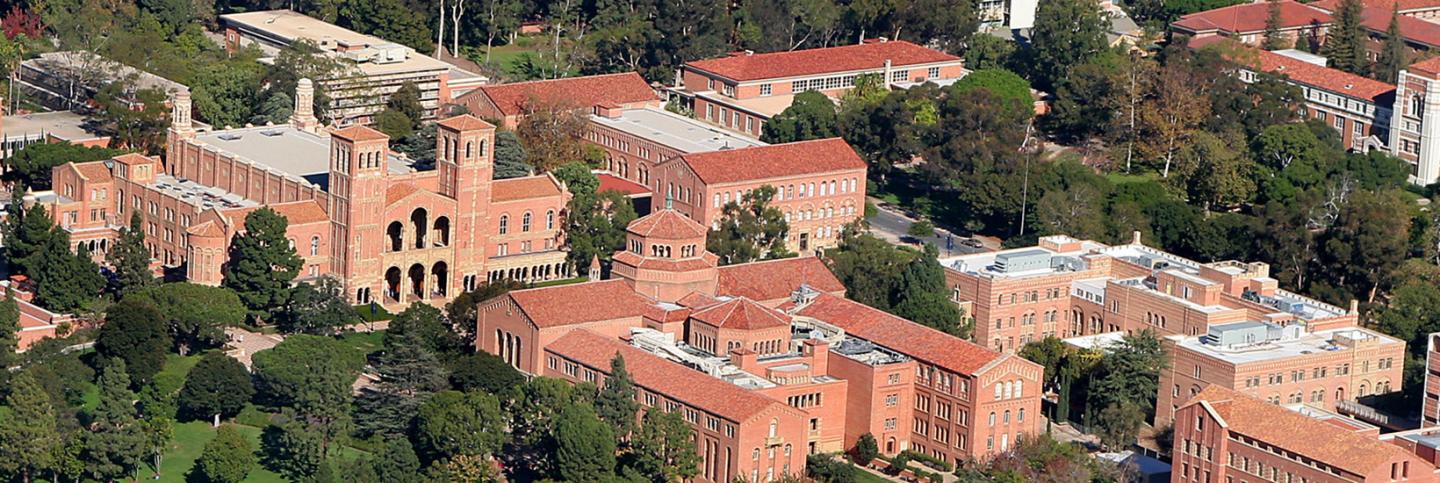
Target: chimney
{"type": "Point", "coordinates": [303, 117]}
{"type": "Point", "coordinates": [888, 65]}
{"type": "Point", "coordinates": [1135, 237]}
{"type": "Point", "coordinates": [608, 110]}
{"type": "Point", "coordinates": [1354, 307]}
{"type": "Point", "coordinates": [818, 351]}
{"type": "Point", "coordinates": [745, 359]}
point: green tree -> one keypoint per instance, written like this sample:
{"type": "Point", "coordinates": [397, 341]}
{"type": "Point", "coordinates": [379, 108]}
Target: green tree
{"type": "Point", "coordinates": [616, 402]}
{"type": "Point", "coordinates": [277, 109]}
{"type": "Point", "coordinates": [262, 264]}
{"type": "Point", "coordinates": [585, 445]}
{"type": "Point", "coordinates": [925, 298]}
{"type": "Point", "coordinates": [27, 232]}
{"type": "Point", "coordinates": [1412, 313]}
{"type": "Point", "coordinates": [64, 280]}
{"type": "Point", "coordinates": [989, 52]}
{"type": "Point", "coordinates": [31, 166]}
{"type": "Point", "coordinates": [1119, 423]}
{"type": "Point", "coordinates": [596, 225]}
{"type": "Point", "coordinates": [424, 324]}
{"type": "Point", "coordinates": [217, 387]}
{"type": "Point", "coordinates": [1007, 87]}
{"type": "Point", "coordinates": [1088, 100]}
{"type": "Point", "coordinates": [408, 374]}
{"type": "Point", "coordinates": [135, 120]}
{"type": "Point", "coordinates": [1067, 33]}
{"type": "Point", "coordinates": [510, 156]}
{"type": "Point", "coordinates": [313, 376]}
{"type": "Point", "coordinates": [28, 433]}
{"type": "Point", "coordinates": [397, 462]}
{"type": "Point", "coordinates": [406, 100]}
{"type": "Point", "coordinates": [866, 449]}
{"type": "Point", "coordinates": [316, 308]}
{"type": "Point", "coordinates": [750, 229]}
{"type": "Point", "coordinates": [1130, 373]}
{"type": "Point", "coordinates": [483, 371]}
{"type": "Point", "coordinates": [1392, 51]}
{"type": "Point", "coordinates": [453, 423]}
{"type": "Point", "coordinates": [921, 229]}
{"type": "Point", "coordinates": [463, 469]}
{"type": "Point", "coordinates": [810, 116]}
{"type": "Point", "coordinates": [294, 450]}
{"type": "Point", "coordinates": [394, 124]}
{"type": "Point", "coordinates": [9, 337]}
{"type": "Point", "coordinates": [1366, 244]}
{"type": "Point", "coordinates": [665, 449]}
{"type": "Point", "coordinates": [870, 268]}
{"type": "Point", "coordinates": [115, 445]}
{"type": "Point", "coordinates": [227, 458]}
{"type": "Point", "coordinates": [533, 424]}
{"type": "Point", "coordinates": [1274, 40]}
{"type": "Point", "coordinates": [1214, 174]}
{"type": "Point", "coordinates": [130, 258]}
{"type": "Point", "coordinates": [134, 332]}
{"type": "Point", "coordinates": [1345, 39]}
{"type": "Point", "coordinates": [196, 315]}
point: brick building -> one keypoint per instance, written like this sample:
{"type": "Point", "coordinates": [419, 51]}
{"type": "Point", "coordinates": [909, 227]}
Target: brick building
{"type": "Point", "coordinates": [376, 68]}
{"type": "Point", "coordinates": [1430, 407]}
{"type": "Point", "coordinates": [1281, 364]}
{"type": "Point", "coordinates": [1065, 287]}
{"type": "Point", "coordinates": [767, 360]}
{"type": "Point", "coordinates": [743, 91]}
{"type": "Point", "coordinates": [639, 139]}
{"type": "Point", "coordinates": [819, 186]}
{"type": "Point", "coordinates": [1223, 435]}
{"type": "Point", "coordinates": [391, 233]}
{"type": "Point", "coordinates": [509, 103]}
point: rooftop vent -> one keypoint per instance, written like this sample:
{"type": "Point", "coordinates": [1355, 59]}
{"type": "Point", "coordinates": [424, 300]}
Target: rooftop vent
{"type": "Point", "coordinates": [230, 137]}
{"type": "Point", "coordinates": [272, 132]}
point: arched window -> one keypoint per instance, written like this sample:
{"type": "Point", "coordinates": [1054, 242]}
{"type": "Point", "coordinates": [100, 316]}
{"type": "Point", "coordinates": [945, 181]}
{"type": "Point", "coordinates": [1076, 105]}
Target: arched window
{"type": "Point", "coordinates": [525, 222]}
{"type": "Point", "coordinates": [992, 419]}
{"type": "Point", "coordinates": [1007, 416]}
{"type": "Point", "coordinates": [469, 149]}
{"type": "Point", "coordinates": [1020, 417]}
{"type": "Point", "coordinates": [504, 224]}
{"type": "Point", "coordinates": [1008, 388]}
{"type": "Point", "coordinates": [550, 220]}
{"type": "Point", "coordinates": [997, 391]}
{"type": "Point", "coordinates": [291, 241]}
{"type": "Point", "coordinates": [314, 245]}
{"type": "Point", "coordinates": [1019, 387]}
{"type": "Point", "coordinates": [774, 426]}
{"type": "Point", "coordinates": [1417, 106]}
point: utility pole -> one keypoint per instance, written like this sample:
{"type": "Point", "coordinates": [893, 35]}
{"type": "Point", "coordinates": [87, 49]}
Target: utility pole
{"type": "Point", "coordinates": [1025, 185]}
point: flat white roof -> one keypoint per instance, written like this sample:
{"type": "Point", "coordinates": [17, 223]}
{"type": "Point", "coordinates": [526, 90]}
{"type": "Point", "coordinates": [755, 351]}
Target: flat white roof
{"type": "Point", "coordinates": [291, 26]}
{"type": "Point", "coordinates": [682, 133]}
{"type": "Point", "coordinates": [64, 125]}
{"type": "Point", "coordinates": [1310, 343]}
{"type": "Point", "coordinates": [1101, 341]}
{"type": "Point", "coordinates": [284, 149]}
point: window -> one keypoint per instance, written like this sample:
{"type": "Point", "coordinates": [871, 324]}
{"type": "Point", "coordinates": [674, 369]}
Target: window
{"type": "Point", "coordinates": [1340, 123]}
{"type": "Point", "coordinates": [764, 89]}
{"type": "Point", "coordinates": [900, 76]}
{"type": "Point", "coordinates": [891, 400]}
{"type": "Point", "coordinates": [504, 224]}
{"type": "Point", "coordinates": [525, 222]}
{"type": "Point", "coordinates": [314, 245]}
{"type": "Point", "coordinates": [550, 220]}
{"type": "Point", "coordinates": [932, 73]}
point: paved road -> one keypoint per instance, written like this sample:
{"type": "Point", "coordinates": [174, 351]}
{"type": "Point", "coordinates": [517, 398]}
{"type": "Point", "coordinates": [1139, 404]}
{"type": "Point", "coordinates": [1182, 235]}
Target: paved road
{"type": "Point", "coordinates": [891, 225]}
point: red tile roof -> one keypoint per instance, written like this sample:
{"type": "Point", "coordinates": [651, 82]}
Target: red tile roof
{"type": "Point", "coordinates": [1386, 5]}
{"type": "Point", "coordinates": [1377, 20]}
{"type": "Point", "coordinates": [744, 66]}
{"type": "Point", "coordinates": [906, 337]}
{"type": "Point", "coordinates": [296, 212]}
{"type": "Point", "coordinates": [776, 279]}
{"type": "Point", "coordinates": [667, 225]}
{"type": "Point", "coordinates": [93, 171]}
{"type": "Point", "coordinates": [1250, 17]}
{"type": "Point", "coordinates": [1299, 71]}
{"type": "Point", "coordinates": [1300, 434]}
{"type": "Point", "coordinates": [704, 261]}
{"type": "Point", "coordinates": [741, 314]}
{"type": "Point", "coordinates": [465, 122]}
{"type": "Point", "coordinates": [581, 92]}
{"type": "Point", "coordinates": [359, 133]}
{"type": "Point", "coordinates": [610, 182]}
{"type": "Point", "coordinates": [696, 299]}
{"type": "Point", "coordinates": [399, 191]}
{"type": "Point", "coordinates": [1428, 66]}
{"type": "Point", "coordinates": [524, 188]}
{"type": "Point", "coordinates": [664, 377]}
{"type": "Point", "coordinates": [580, 303]}
{"type": "Point", "coordinates": [774, 161]}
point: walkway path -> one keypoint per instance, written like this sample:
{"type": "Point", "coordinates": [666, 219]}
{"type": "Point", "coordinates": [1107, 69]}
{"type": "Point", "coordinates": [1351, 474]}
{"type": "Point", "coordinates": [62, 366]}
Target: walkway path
{"type": "Point", "coordinates": [246, 343]}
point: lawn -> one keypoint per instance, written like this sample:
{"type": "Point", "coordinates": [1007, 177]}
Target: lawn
{"type": "Point", "coordinates": [189, 441]}
{"type": "Point", "coordinates": [364, 342]}
{"type": "Point", "coordinates": [862, 476]}
{"type": "Point", "coordinates": [1122, 178]}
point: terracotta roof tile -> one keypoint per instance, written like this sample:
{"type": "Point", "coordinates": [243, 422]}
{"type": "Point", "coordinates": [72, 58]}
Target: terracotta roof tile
{"type": "Point", "coordinates": [93, 171]}
{"type": "Point", "coordinates": [296, 212]}
{"type": "Point", "coordinates": [1377, 20]}
{"type": "Point", "coordinates": [581, 92]}
{"type": "Point", "coordinates": [524, 188]}
{"type": "Point", "coordinates": [580, 303]}
{"type": "Point", "coordinates": [1429, 66]}
{"type": "Point", "coordinates": [774, 161]}
{"type": "Point", "coordinates": [704, 261]}
{"type": "Point", "coordinates": [1295, 432]}
{"type": "Point", "coordinates": [776, 279]}
{"type": "Point", "coordinates": [610, 182]}
{"type": "Point", "coordinates": [696, 300]}
{"type": "Point", "coordinates": [664, 377]}
{"type": "Point", "coordinates": [667, 225]}
{"type": "Point", "coordinates": [399, 191]}
{"type": "Point", "coordinates": [207, 229]}
{"type": "Point", "coordinates": [743, 67]}
{"type": "Point", "coordinates": [742, 314]}
{"type": "Point", "coordinates": [1299, 71]}
{"type": "Point", "coordinates": [1386, 5]}
{"type": "Point", "coordinates": [1250, 17]}
{"type": "Point", "coordinates": [465, 122]}
{"type": "Point", "coordinates": [904, 336]}
{"type": "Point", "coordinates": [359, 133]}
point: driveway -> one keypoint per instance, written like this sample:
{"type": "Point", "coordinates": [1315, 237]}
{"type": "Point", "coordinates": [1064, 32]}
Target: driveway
{"type": "Point", "coordinates": [891, 225]}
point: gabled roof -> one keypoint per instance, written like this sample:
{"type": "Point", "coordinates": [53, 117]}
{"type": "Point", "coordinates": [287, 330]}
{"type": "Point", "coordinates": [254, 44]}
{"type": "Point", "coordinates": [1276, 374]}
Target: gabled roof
{"type": "Point", "coordinates": [465, 122]}
{"type": "Point", "coordinates": [207, 229]}
{"type": "Point", "coordinates": [774, 161]}
{"type": "Point", "coordinates": [1300, 434]}
{"type": "Point", "coordinates": [1412, 29]}
{"type": "Point", "coordinates": [664, 377]}
{"type": "Point", "coordinates": [524, 188]}
{"type": "Point", "coordinates": [1299, 71]}
{"type": "Point", "coordinates": [1250, 17]}
{"type": "Point", "coordinates": [610, 182]}
{"type": "Point", "coordinates": [1429, 66]}
{"type": "Point", "coordinates": [667, 225]}
{"type": "Point", "coordinates": [399, 191]}
{"type": "Point", "coordinates": [579, 92]}
{"type": "Point", "coordinates": [1386, 5]}
{"type": "Point", "coordinates": [776, 279]}
{"type": "Point", "coordinates": [296, 212]}
{"type": "Point", "coordinates": [359, 133]}
{"type": "Point", "coordinates": [904, 336]}
{"type": "Point", "coordinates": [744, 66]}
{"type": "Point", "coordinates": [741, 314]}
{"type": "Point", "coordinates": [579, 303]}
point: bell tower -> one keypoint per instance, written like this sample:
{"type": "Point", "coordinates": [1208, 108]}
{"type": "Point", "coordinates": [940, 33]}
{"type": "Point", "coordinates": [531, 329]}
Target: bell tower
{"type": "Point", "coordinates": [359, 160]}
{"type": "Point", "coordinates": [464, 149]}
{"type": "Point", "coordinates": [303, 117]}
{"type": "Point", "coordinates": [665, 257]}
{"type": "Point", "coordinates": [181, 127]}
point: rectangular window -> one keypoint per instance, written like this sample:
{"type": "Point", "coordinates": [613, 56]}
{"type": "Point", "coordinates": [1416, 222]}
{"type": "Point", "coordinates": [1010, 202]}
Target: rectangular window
{"type": "Point", "coordinates": [932, 73]}
{"type": "Point", "coordinates": [1340, 123]}
{"type": "Point", "coordinates": [764, 89]}
{"type": "Point", "coordinates": [900, 76]}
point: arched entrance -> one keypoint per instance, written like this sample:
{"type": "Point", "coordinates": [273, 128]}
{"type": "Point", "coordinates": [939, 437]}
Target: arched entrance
{"type": "Point", "coordinates": [419, 222]}
{"type": "Point", "coordinates": [417, 281]}
{"type": "Point", "coordinates": [396, 233]}
{"type": "Point", "coordinates": [392, 284]}
{"type": "Point", "coordinates": [442, 231]}
{"type": "Point", "coordinates": [440, 277]}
